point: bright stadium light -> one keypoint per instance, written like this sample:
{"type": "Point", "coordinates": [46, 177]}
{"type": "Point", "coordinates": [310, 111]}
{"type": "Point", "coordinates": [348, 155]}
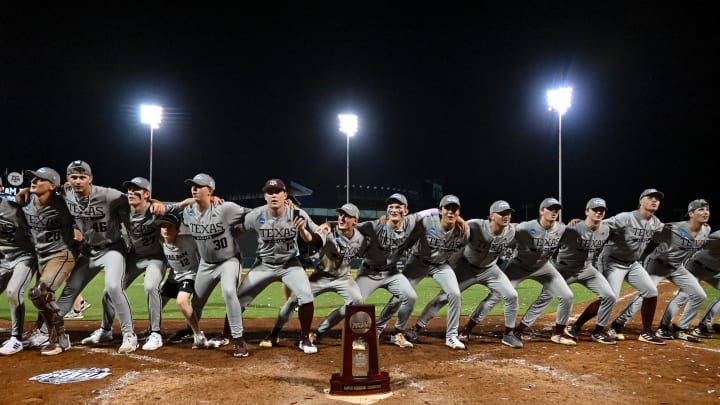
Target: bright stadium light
{"type": "Point", "coordinates": [560, 101]}
{"type": "Point", "coordinates": [151, 115]}
{"type": "Point", "coordinates": [349, 126]}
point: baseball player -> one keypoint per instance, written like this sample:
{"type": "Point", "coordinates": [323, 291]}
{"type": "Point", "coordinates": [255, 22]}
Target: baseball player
{"type": "Point", "coordinates": [388, 239]}
{"type": "Point", "coordinates": [579, 247]}
{"type": "Point", "coordinates": [277, 228]}
{"type": "Point", "coordinates": [52, 229]}
{"type": "Point", "coordinates": [145, 256]}
{"type": "Point", "coordinates": [98, 213]}
{"type": "Point", "coordinates": [536, 241]}
{"type": "Point", "coordinates": [212, 228]}
{"type": "Point", "coordinates": [676, 242]}
{"type": "Point", "coordinates": [705, 265]}
{"type": "Point", "coordinates": [183, 258]}
{"type": "Point", "coordinates": [18, 264]}
{"type": "Point", "coordinates": [443, 237]}
{"type": "Point", "coordinates": [489, 238]}
{"type": "Point", "coordinates": [332, 273]}
{"type": "Point", "coordinates": [630, 233]}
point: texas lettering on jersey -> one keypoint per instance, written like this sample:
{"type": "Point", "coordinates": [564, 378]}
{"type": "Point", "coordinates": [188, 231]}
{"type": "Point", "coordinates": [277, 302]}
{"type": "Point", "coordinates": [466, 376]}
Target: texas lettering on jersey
{"type": "Point", "coordinates": [206, 231]}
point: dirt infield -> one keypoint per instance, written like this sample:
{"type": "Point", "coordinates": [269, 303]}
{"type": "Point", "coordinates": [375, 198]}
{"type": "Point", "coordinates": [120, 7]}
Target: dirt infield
{"type": "Point", "coordinates": [430, 373]}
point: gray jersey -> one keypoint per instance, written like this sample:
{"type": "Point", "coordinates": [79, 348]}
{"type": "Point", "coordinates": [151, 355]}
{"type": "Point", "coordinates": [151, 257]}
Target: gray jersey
{"type": "Point", "coordinates": [212, 229]}
{"type": "Point", "coordinates": [386, 245]}
{"type": "Point", "coordinates": [182, 257]}
{"type": "Point", "coordinates": [580, 245]}
{"type": "Point", "coordinates": [99, 215]}
{"type": "Point", "coordinates": [630, 234]}
{"type": "Point", "coordinates": [277, 236]}
{"type": "Point", "coordinates": [15, 237]}
{"type": "Point", "coordinates": [484, 247]}
{"type": "Point", "coordinates": [677, 243]}
{"type": "Point", "coordinates": [709, 255]}
{"type": "Point", "coordinates": [437, 245]}
{"type": "Point", "coordinates": [341, 250]}
{"type": "Point", "coordinates": [51, 227]}
{"type": "Point", "coordinates": [144, 234]}
{"type": "Point", "coordinates": [535, 244]}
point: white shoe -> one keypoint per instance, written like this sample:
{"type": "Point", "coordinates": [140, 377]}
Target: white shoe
{"type": "Point", "coordinates": [36, 339]}
{"type": "Point", "coordinates": [154, 342]}
{"type": "Point", "coordinates": [200, 341]}
{"type": "Point", "coordinates": [129, 343]}
{"type": "Point", "coordinates": [454, 343]}
{"type": "Point", "coordinates": [74, 315]}
{"type": "Point", "coordinates": [399, 340]}
{"type": "Point", "coordinates": [563, 340]}
{"type": "Point", "coordinates": [98, 336]}
{"type": "Point", "coordinates": [11, 346]}
{"type": "Point", "coordinates": [307, 347]}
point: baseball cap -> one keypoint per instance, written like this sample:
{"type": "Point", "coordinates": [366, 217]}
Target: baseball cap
{"type": "Point", "coordinates": [500, 206]}
{"type": "Point", "coordinates": [349, 209]}
{"type": "Point", "coordinates": [449, 199]}
{"type": "Point", "coordinates": [45, 173]}
{"type": "Point", "coordinates": [595, 202]}
{"type": "Point", "coordinates": [550, 202]}
{"type": "Point", "coordinates": [397, 197]}
{"type": "Point", "coordinates": [79, 167]}
{"type": "Point", "coordinates": [201, 179]}
{"type": "Point", "coordinates": [169, 218]}
{"type": "Point", "coordinates": [274, 184]}
{"type": "Point", "coordinates": [652, 191]}
{"type": "Point", "coordinates": [141, 182]}
{"type": "Point", "coordinates": [697, 204]}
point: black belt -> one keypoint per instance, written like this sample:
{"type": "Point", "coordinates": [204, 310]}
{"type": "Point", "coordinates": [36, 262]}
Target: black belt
{"type": "Point", "coordinates": [377, 268]}
{"type": "Point", "coordinates": [472, 265]}
{"type": "Point", "coordinates": [626, 262]}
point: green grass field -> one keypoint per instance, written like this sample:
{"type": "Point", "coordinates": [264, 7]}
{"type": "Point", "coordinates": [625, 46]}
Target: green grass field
{"type": "Point", "coordinates": [267, 304]}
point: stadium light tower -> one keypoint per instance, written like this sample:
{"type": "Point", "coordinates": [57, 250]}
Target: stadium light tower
{"type": "Point", "coordinates": [560, 101]}
{"type": "Point", "coordinates": [151, 115]}
{"type": "Point", "coordinates": [349, 126]}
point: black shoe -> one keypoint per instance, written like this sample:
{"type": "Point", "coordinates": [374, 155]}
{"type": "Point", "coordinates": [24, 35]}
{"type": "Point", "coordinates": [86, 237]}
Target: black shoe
{"type": "Point", "coordinates": [664, 333]}
{"type": "Point", "coordinates": [702, 332]}
{"type": "Point", "coordinates": [181, 335]}
{"type": "Point", "coordinates": [241, 349]}
{"type": "Point", "coordinates": [716, 327]}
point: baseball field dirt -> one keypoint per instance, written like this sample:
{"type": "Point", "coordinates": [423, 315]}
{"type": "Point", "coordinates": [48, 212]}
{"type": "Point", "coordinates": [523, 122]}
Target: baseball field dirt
{"type": "Point", "coordinates": [429, 373]}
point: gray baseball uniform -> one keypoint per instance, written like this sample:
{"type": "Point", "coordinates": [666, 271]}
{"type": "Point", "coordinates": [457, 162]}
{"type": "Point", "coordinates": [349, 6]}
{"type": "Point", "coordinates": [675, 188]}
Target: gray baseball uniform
{"type": "Point", "coordinates": [705, 265]}
{"type": "Point", "coordinates": [430, 255]}
{"type": "Point", "coordinates": [675, 244]}
{"type": "Point", "coordinates": [579, 247]}
{"type": "Point", "coordinates": [630, 233]}
{"type": "Point", "coordinates": [535, 246]}
{"type": "Point", "coordinates": [18, 262]}
{"type": "Point", "coordinates": [339, 250]}
{"type": "Point", "coordinates": [212, 230]}
{"type": "Point", "coordinates": [182, 257]}
{"type": "Point", "coordinates": [478, 265]}
{"type": "Point", "coordinates": [99, 217]}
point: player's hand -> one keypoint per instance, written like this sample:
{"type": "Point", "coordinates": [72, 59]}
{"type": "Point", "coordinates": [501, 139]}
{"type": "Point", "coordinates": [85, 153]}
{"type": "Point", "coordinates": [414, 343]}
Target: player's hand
{"type": "Point", "coordinates": [574, 221]}
{"type": "Point", "coordinates": [290, 204]}
{"type": "Point", "coordinates": [77, 236]}
{"type": "Point", "coordinates": [215, 200]}
{"type": "Point", "coordinates": [461, 225]}
{"type": "Point", "coordinates": [23, 196]}
{"type": "Point", "coordinates": [383, 219]}
{"type": "Point", "coordinates": [156, 207]}
{"type": "Point", "coordinates": [326, 227]}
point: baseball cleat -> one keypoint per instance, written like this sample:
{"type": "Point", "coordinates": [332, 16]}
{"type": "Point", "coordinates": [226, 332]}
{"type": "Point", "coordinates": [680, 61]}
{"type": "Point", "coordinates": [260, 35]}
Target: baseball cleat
{"type": "Point", "coordinates": [11, 346]}
{"type": "Point", "coordinates": [454, 343]}
{"type": "Point", "coordinates": [35, 338]}
{"type": "Point", "coordinates": [98, 336]}
{"type": "Point", "coordinates": [464, 337]}
{"type": "Point", "coordinates": [129, 344]}
{"type": "Point", "coordinates": [200, 341]}
{"type": "Point", "coordinates": [604, 338]}
{"type": "Point", "coordinates": [615, 333]}
{"type": "Point", "coordinates": [51, 349]}
{"type": "Point", "coordinates": [307, 347]}
{"type": "Point", "coordinates": [701, 332]}
{"type": "Point", "coordinates": [512, 340]}
{"type": "Point", "coordinates": [563, 340]}
{"type": "Point", "coordinates": [649, 337]}
{"type": "Point", "coordinates": [154, 342]}
{"type": "Point", "coordinates": [181, 335]}
{"type": "Point", "coordinates": [64, 342]}
{"type": "Point", "coordinates": [716, 327]}
{"type": "Point", "coordinates": [664, 333]}
{"type": "Point", "coordinates": [398, 339]}
{"type": "Point", "coordinates": [411, 335]}
{"type": "Point", "coordinates": [683, 334]}
{"type": "Point", "coordinates": [572, 331]}
{"type": "Point", "coordinates": [73, 314]}
{"type": "Point", "coordinates": [218, 341]}
{"type": "Point", "coordinates": [271, 341]}
{"type": "Point", "coordinates": [240, 349]}
{"type": "Point", "coordinates": [144, 334]}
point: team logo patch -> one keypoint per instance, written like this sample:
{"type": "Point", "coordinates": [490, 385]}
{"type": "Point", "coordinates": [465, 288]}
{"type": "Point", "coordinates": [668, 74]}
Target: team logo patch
{"type": "Point", "coordinates": [432, 229]}
{"type": "Point", "coordinates": [190, 212]}
{"type": "Point", "coordinates": [72, 375]}
{"type": "Point", "coordinates": [261, 220]}
{"type": "Point", "coordinates": [683, 234]}
{"type": "Point", "coordinates": [533, 231]}
{"type": "Point", "coordinates": [384, 228]}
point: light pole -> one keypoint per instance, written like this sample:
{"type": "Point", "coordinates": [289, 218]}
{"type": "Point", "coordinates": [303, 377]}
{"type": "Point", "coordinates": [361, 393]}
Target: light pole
{"type": "Point", "coordinates": [152, 116]}
{"type": "Point", "coordinates": [559, 100]}
{"type": "Point", "coordinates": [348, 125]}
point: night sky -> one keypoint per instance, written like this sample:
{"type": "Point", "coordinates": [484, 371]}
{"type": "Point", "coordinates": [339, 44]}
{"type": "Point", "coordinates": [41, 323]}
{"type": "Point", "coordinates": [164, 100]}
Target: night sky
{"type": "Point", "coordinates": [456, 98]}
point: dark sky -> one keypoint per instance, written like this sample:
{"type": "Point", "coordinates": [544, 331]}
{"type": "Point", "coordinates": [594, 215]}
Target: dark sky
{"type": "Point", "coordinates": [458, 98]}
